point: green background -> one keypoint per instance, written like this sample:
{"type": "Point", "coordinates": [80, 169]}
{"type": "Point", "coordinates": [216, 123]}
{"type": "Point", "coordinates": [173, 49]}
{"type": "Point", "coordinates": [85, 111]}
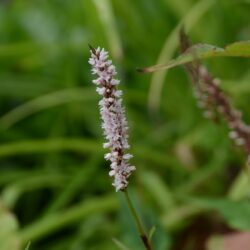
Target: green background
{"type": "Point", "coordinates": [55, 189]}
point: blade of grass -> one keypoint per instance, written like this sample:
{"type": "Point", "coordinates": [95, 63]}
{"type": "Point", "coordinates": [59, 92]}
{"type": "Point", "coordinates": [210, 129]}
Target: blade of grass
{"type": "Point", "coordinates": [60, 220]}
{"type": "Point", "coordinates": [12, 192]}
{"type": "Point", "coordinates": [24, 87]}
{"type": "Point", "coordinates": [18, 49]}
{"type": "Point", "coordinates": [28, 147]}
{"type": "Point", "coordinates": [45, 102]}
{"type": "Point", "coordinates": [28, 246]}
{"type": "Point", "coordinates": [108, 22]}
{"type": "Point", "coordinates": [158, 189]}
{"type": "Point", "coordinates": [178, 7]}
{"type": "Point", "coordinates": [78, 181]}
{"type": "Point", "coordinates": [119, 244]}
{"type": "Point", "coordinates": [203, 175]}
{"type": "Point", "coordinates": [179, 216]}
{"type": "Point", "coordinates": [82, 146]}
{"type": "Point", "coordinates": [54, 99]}
{"type": "Point", "coordinates": [168, 49]}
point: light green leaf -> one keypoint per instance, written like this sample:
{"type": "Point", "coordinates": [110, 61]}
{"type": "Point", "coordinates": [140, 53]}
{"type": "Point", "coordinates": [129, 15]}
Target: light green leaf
{"type": "Point", "coordinates": [8, 227]}
{"type": "Point", "coordinates": [119, 244]}
{"type": "Point", "coordinates": [235, 213]}
{"type": "Point", "coordinates": [44, 102]}
{"type": "Point", "coordinates": [75, 214]}
{"type": "Point", "coordinates": [204, 51]}
{"type": "Point", "coordinates": [28, 246]}
{"type": "Point", "coordinates": [151, 232]}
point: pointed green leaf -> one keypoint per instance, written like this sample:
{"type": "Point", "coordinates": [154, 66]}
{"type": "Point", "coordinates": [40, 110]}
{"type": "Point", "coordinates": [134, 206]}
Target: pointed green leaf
{"type": "Point", "coordinates": [8, 228]}
{"type": "Point", "coordinates": [119, 244]}
{"type": "Point", "coordinates": [204, 51]}
{"type": "Point", "coordinates": [151, 232]}
{"type": "Point", "coordinates": [28, 246]}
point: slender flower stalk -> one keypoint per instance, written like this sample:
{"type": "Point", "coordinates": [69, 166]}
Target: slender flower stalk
{"type": "Point", "coordinates": [145, 239]}
{"type": "Point", "coordinates": [115, 129]}
{"type": "Point", "coordinates": [214, 101]}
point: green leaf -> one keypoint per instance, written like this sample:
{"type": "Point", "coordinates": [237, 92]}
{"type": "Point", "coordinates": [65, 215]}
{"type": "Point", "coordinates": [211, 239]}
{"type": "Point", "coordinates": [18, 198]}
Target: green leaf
{"type": "Point", "coordinates": [235, 213]}
{"type": "Point", "coordinates": [158, 189]}
{"type": "Point", "coordinates": [189, 18]}
{"type": "Point", "coordinates": [53, 99]}
{"type": "Point", "coordinates": [107, 18]}
{"type": "Point", "coordinates": [28, 246]}
{"type": "Point", "coordinates": [241, 49]}
{"type": "Point", "coordinates": [119, 244]}
{"type": "Point", "coordinates": [57, 221]}
{"type": "Point", "coordinates": [204, 51]}
{"type": "Point", "coordinates": [8, 228]}
{"type": "Point", "coordinates": [151, 232]}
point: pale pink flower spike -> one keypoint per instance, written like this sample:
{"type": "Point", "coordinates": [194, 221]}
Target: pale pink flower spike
{"type": "Point", "coordinates": [114, 122]}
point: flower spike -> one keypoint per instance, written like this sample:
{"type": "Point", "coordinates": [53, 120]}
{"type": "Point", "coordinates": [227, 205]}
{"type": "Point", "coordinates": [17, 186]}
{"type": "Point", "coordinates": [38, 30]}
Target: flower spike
{"type": "Point", "coordinates": [114, 123]}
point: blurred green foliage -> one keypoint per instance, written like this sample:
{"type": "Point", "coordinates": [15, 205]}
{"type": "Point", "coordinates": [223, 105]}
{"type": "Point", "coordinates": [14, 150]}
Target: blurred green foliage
{"type": "Point", "coordinates": [55, 189]}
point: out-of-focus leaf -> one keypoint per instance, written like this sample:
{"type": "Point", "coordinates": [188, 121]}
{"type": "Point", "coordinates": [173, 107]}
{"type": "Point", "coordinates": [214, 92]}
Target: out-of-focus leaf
{"type": "Point", "coordinates": [18, 49]}
{"type": "Point", "coordinates": [107, 18]}
{"type": "Point", "coordinates": [170, 45]}
{"type": "Point", "coordinates": [24, 147]}
{"type": "Point", "coordinates": [240, 188]}
{"type": "Point", "coordinates": [44, 102]}
{"type": "Point", "coordinates": [159, 190]}
{"type": "Point", "coordinates": [23, 86]}
{"type": "Point", "coordinates": [28, 246]}
{"type": "Point", "coordinates": [82, 177]}
{"type": "Point", "coordinates": [235, 213]}
{"type": "Point", "coordinates": [151, 232]}
{"type": "Point", "coordinates": [8, 227]}
{"type": "Point", "coordinates": [62, 219]}
{"type": "Point", "coordinates": [11, 193]}
{"type": "Point", "coordinates": [120, 245]}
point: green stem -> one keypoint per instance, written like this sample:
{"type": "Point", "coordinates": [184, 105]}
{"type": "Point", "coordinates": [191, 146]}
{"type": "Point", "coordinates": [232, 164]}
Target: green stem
{"type": "Point", "coordinates": [143, 235]}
